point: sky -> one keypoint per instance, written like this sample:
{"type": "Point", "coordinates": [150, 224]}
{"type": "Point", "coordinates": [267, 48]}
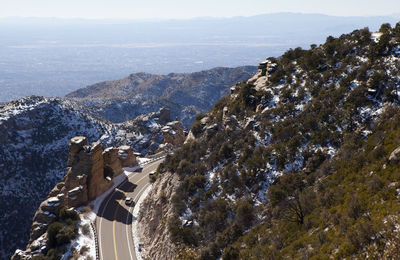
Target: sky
{"type": "Point", "coordinates": [182, 9]}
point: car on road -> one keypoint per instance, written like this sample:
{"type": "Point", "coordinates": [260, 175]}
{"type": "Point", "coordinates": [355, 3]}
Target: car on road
{"type": "Point", "coordinates": [128, 201]}
{"type": "Point", "coordinates": [152, 173]}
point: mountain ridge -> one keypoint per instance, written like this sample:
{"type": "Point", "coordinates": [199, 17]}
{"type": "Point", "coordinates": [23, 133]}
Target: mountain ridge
{"type": "Point", "coordinates": [185, 94]}
{"type": "Point", "coordinates": [300, 161]}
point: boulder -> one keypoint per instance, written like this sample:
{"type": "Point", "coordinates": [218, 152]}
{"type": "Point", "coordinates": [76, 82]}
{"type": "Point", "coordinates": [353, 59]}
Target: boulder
{"type": "Point", "coordinates": [395, 156]}
{"type": "Point", "coordinates": [57, 189]}
{"type": "Point", "coordinates": [44, 217]}
{"type": "Point", "coordinates": [51, 205]}
{"type": "Point", "coordinates": [225, 114]}
{"type": "Point", "coordinates": [110, 157]}
{"type": "Point", "coordinates": [76, 178]}
{"type": "Point", "coordinates": [37, 230]}
{"type": "Point", "coordinates": [190, 137]}
{"type": "Point", "coordinates": [125, 154]}
{"type": "Point", "coordinates": [205, 120]}
{"type": "Point", "coordinates": [259, 108]}
{"type": "Point", "coordinates": [213, 127]}
{"type": "Point", "coordinates": [250, 123]}
{"type": "Point", "coordinates": [165, 115]}
{"type": "Point", "coordinates": [173, 133]}
{"type": "Point", "coordinates": [76, 144]}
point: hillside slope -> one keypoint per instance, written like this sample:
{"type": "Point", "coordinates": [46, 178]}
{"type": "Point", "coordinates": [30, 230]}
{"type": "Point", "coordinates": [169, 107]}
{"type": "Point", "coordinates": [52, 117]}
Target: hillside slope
{"type": "Point", "coordinates": [296, 163]}
{"type": "Point", "coordinates": [185, 94]}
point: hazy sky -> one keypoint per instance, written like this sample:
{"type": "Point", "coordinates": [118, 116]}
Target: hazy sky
{"type": "Point", "coordinates": [142, 9]}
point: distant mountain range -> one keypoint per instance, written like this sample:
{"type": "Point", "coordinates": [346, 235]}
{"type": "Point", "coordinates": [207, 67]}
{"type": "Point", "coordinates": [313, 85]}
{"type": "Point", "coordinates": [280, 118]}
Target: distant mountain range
{"type": "Point", "coordinates": [185, 94]}
{"type": "Point", "coordinates": [61, 55]}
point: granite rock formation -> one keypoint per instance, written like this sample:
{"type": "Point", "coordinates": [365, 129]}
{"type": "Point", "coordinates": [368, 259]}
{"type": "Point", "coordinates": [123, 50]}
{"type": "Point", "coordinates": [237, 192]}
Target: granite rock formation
{"type": "Point", "coordinates": [110, 157]}
{"type": "Point", "coordinates": [85, 180]}
{"type": "Point", "coordinates": [173, 135]}
{"type": "Point", "coordinates": [126, 156]}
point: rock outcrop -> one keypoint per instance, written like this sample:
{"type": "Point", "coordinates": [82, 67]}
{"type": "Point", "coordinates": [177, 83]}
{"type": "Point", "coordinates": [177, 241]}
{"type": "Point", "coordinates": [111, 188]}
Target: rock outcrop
{"type": "Point", "coordinates": [260, 79]}
{"type": "Point", "coordinates": [85, 180]}
{"type": "Point", "coordinates": [395, 156]}
{"type": "Point", "coordinates": [110, 157]}
{"type": "Point", "coordinates": [173, 134]}
{"type": "Point", "coordinates": [165, 115]}
{"type": "Point", "coordinates": [125, 154]}
{"type": "Point", "coordinates": [155, 210]}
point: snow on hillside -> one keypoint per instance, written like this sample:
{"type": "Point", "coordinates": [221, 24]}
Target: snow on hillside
{"type": "Point", "coordinates": [34, 140]}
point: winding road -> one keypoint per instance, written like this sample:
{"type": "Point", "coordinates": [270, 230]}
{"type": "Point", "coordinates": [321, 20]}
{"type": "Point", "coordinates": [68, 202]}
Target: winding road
{"type": "Point", "coordinates": [114, 220]}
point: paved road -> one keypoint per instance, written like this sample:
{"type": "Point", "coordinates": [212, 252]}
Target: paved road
{"type": "Point", "coordinates": [114, 220]}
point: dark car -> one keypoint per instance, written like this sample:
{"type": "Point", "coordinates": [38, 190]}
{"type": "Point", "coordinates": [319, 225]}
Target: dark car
{"type": "Point", "coordinates": [129, 201]}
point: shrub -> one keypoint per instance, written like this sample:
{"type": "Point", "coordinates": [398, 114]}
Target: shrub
{"type": "Point", "coordinates": [53, 254]}
{"type": "Point", "coordinates": [66, 214]}
{"type": "Point", "coordinates": [86, 229]}
{"type": "Point", "coordinates": [231, 253]}
{"type": "Point", "coordinates": [83, 250]}
{"type": "Point", "coordinates": [178, 203]}
{"type": "Point", "coordinates": [244, 212]}
{"type": "Point", "coordinates": [39, 257]}
{"type": "Point", "coordinates": [197, 128]}
{"type": "Point", "coordinates": [354, 209]}
{"type": "Point", "coordinates": [153, 178]}
{"type": "Point", "coordinates": [65, 235]}
{"type": "Point", "coordinates": [200, 116]}
{"type": "Point", "coordinates": [52, 232]}
{"type": "Point", "coordinates": [185, 168]}
{"type": "Point", "coordinates": [210, 252]}
{"type": "Point", "coordinates": [191, 184]}
{"type": "Point", "coordinates": [163, 196]}
{"type": "Point", "coordinates": [226, 151]}
{"type": "Point", "coordinates": [180, 234]}
{"type": "Point", "coordinates": [375, 183]}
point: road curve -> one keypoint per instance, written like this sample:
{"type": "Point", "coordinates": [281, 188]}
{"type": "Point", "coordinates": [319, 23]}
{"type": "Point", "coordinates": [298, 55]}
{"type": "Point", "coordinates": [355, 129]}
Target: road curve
{"type": "Point", "coordinates": [114, 218]}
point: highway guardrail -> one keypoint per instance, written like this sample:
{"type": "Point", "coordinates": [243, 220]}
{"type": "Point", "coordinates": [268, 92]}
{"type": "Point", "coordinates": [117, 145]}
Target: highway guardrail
{"type": "Point", "coordinates": [96, 240]}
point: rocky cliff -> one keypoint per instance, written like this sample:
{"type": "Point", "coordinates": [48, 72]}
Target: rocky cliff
{"type": "Point", "coordinates": [153, 217]}
{"type": "Point", "coordinates": [89, 175]}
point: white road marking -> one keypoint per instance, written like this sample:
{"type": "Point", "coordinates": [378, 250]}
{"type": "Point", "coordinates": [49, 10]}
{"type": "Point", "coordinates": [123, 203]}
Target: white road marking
{"type": "Point", "coordinates": [130, 210]}
{"type": "Point", "coordinates": [106, 205]}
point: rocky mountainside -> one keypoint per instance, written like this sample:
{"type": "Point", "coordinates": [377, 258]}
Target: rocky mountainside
{"type": "Point", "coordinates": [34, 138]}
{"type": "Point", "coordinates": [299, 162]}
{"type": "Point", "coordinates": [185, 94]}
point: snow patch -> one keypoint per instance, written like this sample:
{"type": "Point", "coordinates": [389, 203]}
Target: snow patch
{"type": "Point", "coordinates": [135, 213]}
{"type": "Point", "coordinates": [84, 243]}
{"type": "Point", "coordinates": [142, 160]}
